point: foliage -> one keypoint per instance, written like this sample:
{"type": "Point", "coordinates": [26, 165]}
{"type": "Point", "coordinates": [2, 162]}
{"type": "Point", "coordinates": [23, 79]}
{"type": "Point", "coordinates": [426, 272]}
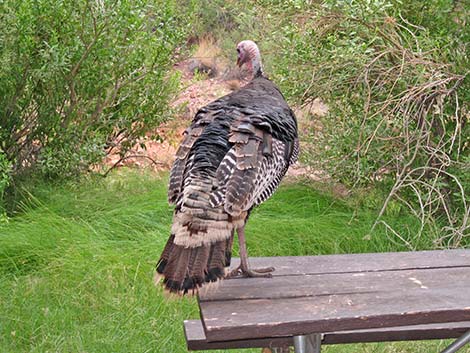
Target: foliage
{"type": "Point", "coordinates": [5, 170]}
{"type": "Point", "coordinates": [397, 85]}
{"type": "Point", "coordinates": [395, 77]}
{"type": "Point", "coordinates": [80, 78]}
{"type": "Point", "coordinates": [76, 266]}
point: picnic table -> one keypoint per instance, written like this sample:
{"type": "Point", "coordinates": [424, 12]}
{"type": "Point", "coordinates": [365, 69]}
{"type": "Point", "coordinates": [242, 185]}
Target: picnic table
{"type": "Point", "coordinates": [333, 299]}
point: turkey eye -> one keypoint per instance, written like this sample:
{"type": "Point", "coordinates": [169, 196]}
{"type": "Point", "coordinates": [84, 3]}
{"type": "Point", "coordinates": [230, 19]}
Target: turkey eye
{"type": "Point", "coordinates": [238, 51]}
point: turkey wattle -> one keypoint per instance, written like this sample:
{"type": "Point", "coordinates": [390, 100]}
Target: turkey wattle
{"type": "Point", "coordinates": [232, 158]}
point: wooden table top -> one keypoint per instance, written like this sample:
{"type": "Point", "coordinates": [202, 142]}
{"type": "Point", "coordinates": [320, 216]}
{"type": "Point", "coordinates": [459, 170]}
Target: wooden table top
{"type": "Point", "coordinates": [319, 294]}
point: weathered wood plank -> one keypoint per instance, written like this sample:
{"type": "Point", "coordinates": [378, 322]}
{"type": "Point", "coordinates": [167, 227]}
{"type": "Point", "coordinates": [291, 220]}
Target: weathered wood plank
{"type": "Point", "coordinates": [340, 292]}
{"type": "Point", "coordinates": [253, 318]}
{"type": "Point", "coordinates": [301, 265]}
{"type": "Point", "coordinates": [344, 284]}
{"type": "Point", "coordinates": [196, 338]}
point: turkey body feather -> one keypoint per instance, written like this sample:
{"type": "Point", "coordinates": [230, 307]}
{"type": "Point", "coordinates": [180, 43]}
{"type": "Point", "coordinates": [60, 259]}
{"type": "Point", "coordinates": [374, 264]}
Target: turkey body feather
{"type": "Point", "coordinates": [232, 158]}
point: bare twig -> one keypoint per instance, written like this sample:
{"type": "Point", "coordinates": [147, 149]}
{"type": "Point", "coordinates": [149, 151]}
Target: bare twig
{"type": "Point", "coordinates": [123, 158]}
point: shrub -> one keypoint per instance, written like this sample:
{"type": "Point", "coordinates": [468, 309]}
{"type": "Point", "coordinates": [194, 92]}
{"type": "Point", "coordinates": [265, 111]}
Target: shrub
{"type": "Point", "coordinates": [398, 94]}
{"type": "Point", "coordinates": [395, 77]}
{"type": "Point", "coordinates": [5, 170]}
{"type": "Point", "coordinates": [81, 78]}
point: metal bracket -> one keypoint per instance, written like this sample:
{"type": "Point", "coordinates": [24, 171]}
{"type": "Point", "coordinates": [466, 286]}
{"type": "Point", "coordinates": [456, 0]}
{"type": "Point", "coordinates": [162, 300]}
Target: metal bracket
{"type": "Point", "coordinates": [458, 343]}
{"type": "Point", "coordinates": [308, 343]}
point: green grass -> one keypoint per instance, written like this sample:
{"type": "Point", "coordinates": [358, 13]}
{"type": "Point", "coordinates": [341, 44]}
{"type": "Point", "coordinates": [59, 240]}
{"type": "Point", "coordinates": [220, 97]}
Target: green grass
{"type": "Point", "coordinates": [76, 264]}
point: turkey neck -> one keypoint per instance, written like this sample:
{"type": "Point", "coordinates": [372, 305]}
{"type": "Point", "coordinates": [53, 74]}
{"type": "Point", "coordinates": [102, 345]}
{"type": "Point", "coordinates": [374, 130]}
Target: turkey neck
{"type": "Point", "coordinates": [255, 65]}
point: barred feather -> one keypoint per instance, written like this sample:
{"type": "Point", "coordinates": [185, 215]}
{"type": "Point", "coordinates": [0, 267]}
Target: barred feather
{"type": "Point", "coordinates": [189, 268]}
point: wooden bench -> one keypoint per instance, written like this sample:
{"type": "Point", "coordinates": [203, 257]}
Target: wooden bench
{"type": "Point", "coordinates": [196, 337]}
{"type": "Point", "coordinates": [334, 299]}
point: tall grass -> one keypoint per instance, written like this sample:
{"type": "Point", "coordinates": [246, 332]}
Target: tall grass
{"type": "Point", "coordinates": [76, 264]}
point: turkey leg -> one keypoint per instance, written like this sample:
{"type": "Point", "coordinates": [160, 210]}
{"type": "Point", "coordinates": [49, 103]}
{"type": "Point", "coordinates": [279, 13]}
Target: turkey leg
{"type": "Point", "coordinates": [243, 270]}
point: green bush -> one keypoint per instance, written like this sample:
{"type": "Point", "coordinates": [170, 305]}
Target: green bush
{"type": "Point", "coordinates": [395, 78]}
{"type": "Point", "coordinates": [5, 170]}
{"type": "Point", "coordinates": [81, 78]}
{"type": "Point", "coordinates": [398, 90]}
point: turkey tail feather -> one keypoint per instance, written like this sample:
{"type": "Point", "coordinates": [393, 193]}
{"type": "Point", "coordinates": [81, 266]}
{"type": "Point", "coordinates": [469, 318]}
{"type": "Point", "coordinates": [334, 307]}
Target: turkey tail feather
{"type": "Point", "coordinates": [186, 269]}
{"type": "Point", "coordinates": [165, 254]}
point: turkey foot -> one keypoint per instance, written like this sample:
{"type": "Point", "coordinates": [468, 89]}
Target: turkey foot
{"type": "Point", "coordinates": [243, 270]}
{"type": "Point", "coordinates": [257, 272]}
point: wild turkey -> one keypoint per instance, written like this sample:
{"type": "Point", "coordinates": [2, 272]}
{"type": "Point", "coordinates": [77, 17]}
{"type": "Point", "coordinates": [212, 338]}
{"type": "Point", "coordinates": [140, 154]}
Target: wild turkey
{"type": "Point", "coordinates": [232, 158]}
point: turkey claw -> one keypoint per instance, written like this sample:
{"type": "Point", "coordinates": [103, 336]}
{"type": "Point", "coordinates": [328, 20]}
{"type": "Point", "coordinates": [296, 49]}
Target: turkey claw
{"type": "Point", "coordinates": [255, 273]}
{"type": "Point", "coordinates": [264, 270]}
